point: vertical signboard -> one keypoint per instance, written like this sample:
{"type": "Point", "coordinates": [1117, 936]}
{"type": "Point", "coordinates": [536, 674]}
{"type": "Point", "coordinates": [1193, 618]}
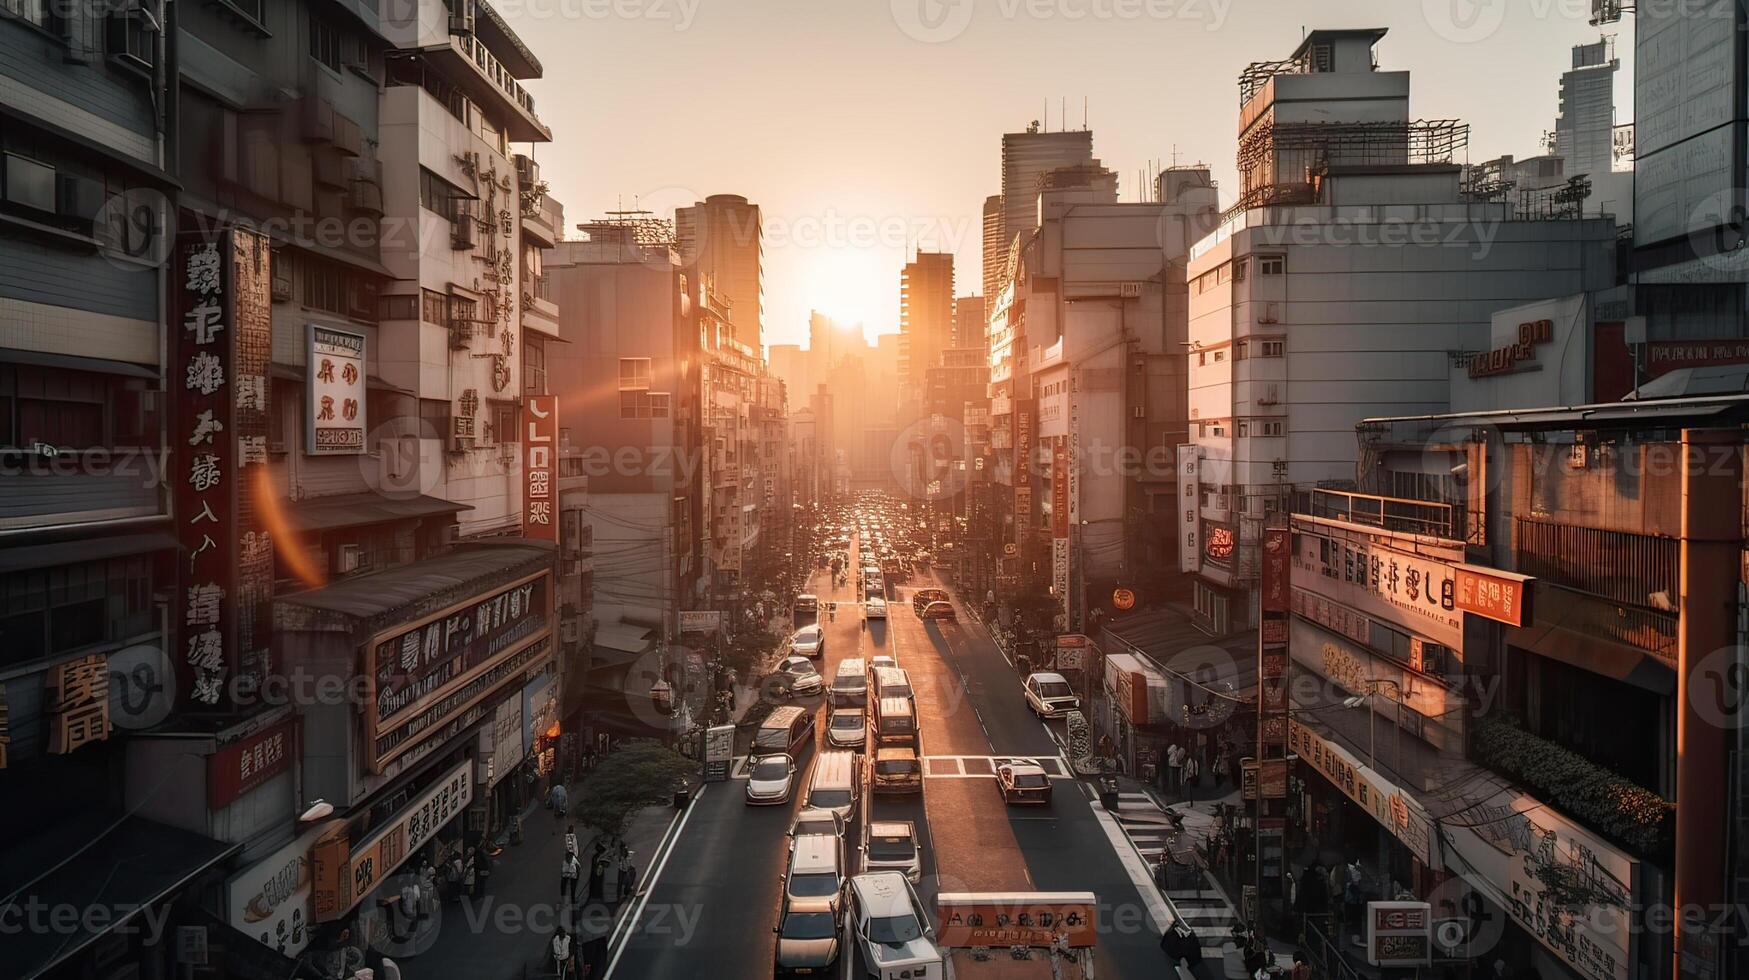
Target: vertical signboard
{"type": "Point", "coordinates": [539, 489]}
{"type": "Point", "coordinates": [1189, 508]}
{"type": "Point", "coordinates": [335, 406]}
{"type": "Point", "coordinates": [222, 344]}
{"type": "Point", "coordinates": [1060, 532]}
{"type": "Point", "coordinates": [1024, 468]}
{"type": "Point", "coordinates": [1272, 690]}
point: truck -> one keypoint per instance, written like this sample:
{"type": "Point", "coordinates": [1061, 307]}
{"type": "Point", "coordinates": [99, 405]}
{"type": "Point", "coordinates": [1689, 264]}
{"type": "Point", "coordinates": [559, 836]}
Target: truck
{"type": "Point", "coordinates": [1016, 935]}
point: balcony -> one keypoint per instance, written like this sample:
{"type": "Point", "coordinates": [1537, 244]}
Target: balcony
{"type": "Point", "coordinates": [468, 63]}
{"type": "Point", "coordinates": [539, 313]}
{"type": "Point", "coordinates": [1424, 517]}
{"type": "Point", "coordinates": [543, 220]}
{"type": "Point", "coordinates": [1596, 585]}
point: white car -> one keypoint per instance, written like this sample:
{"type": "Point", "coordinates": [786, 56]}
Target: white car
{"type": "Point", "coordinates": [809, 641]}
{"type": "Point", "coordinates": [877, 608]}
{"type": "Point", "coordinates": [847, 728]}
{"type": "Point", "coordinates": [801, 675]}
{"type": "Point", "coordinates": [1050, 696]}
{"type": "Point", "coordinates": [891, 845]}
{"type": "Point", "coordinates": [813, 821]}
{"type": "Point", "coordinates": [892, 927]}
{"type": "Point", "coordinates": [880, 660]}
{"type": "Point", "coordinates": [771, 780]}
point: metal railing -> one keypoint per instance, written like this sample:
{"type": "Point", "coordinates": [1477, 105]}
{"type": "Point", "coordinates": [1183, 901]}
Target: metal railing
{"type": "Point", "coordinates": [1617, 565]}
{"type": "Point", "coordinates": [1425, 517]}
{"type": "Point", "coordinates": [488, 64]}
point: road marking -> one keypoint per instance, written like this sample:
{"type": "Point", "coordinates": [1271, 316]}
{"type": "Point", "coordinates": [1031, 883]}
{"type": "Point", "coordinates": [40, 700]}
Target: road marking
{"type": "Point", "coordinates": [1159, 907]}
{"type": "Point", "coordinates": [628, 925]}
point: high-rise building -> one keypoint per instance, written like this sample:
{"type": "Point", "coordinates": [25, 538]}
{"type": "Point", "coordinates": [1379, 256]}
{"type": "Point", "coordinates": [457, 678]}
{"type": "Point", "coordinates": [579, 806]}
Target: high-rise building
{"type": "Point", "coordinates": [723, 238]}
{"type": "Point", "coordinates": [1585, 128]}
{"type": "Point", "coordinates": [968, 322]}
{"type": "Point", "coordinates": [995, 252]}
{"type": "Point", "coordinates": [925, 321]}
{"type": "Point", "coordinates": [1026, 157]}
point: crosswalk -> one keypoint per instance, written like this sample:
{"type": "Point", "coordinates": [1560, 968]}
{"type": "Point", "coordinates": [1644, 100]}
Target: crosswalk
{"type": "Point", "coordinates": [955, 766]}
{"type": "Point", "coordinates": [1202, 907]}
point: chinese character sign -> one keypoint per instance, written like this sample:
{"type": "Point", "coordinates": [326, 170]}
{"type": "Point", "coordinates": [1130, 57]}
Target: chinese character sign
{"type": "Point", "coordinates": [78, 703]}
{"type": "Point", "coordinates": [335, 410]}
{"type": "Point", "coordinates": [221, 347]}
{"type": "Point", "coordinates": [1189, 508]}
{"type": "Point", "coordinates": [540, 491]}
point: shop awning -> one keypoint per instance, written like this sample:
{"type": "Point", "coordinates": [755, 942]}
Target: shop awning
{"type": "Point", "coordinates": [111, 866]}
{"type": "Point", "coordinates": [72, 362]}
{"type": "Point", "coordinates": [369, 596]}
{"type": "Point", "coordinates": [618, 644]}
{"type": "Point", "coordinates": [359, 509]}
{"type": "Point", "coordinates": [23, 558]}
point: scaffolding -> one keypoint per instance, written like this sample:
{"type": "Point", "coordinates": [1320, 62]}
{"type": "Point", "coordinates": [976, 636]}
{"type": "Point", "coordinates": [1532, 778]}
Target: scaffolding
{"type": "Point", "coordinates": [1258, 73]}
{"type": "Point", "coordinates": [1284, 163]}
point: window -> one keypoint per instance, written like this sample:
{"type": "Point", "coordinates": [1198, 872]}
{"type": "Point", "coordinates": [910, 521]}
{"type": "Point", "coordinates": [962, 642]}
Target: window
{"type": "Point", "coordinates": [323, 287]}
{"type": "Point", "coordinates": [1271, 265]}
{"type": "Point", "coordinates": [1238, 270]}
{"type": "Point", "coordinates": [441, 196]}
{"type": "Point", "coordinates": [324, 42]}
{"type": "Point", "coordinates": [1220, 356]}
{"type": "Point", "coordinates": [659, 404]}
{"type": "Point", "coordinates": [398, 308]}
{"type": "Point", "coordinates": [1244, 429]}
{"type": "Point", "coordinates": [644, 405]}
{"type": "Point", "coordinates": [28, 183]}
{"type": "Point", "coordinates": [1202, 357]}
{"type": "Point", "coordinates": [1273, 348]}
{"type": "Point", "coordinates": [1272, 428]}
{"type": "Point", "coordinates": [504, 422]}
{"type": "Point", "coordinates": [463, 310]}
{"type": "Point", "coordinates": [634, 373]}
{"type": "Point", "coordinates": [434, 307]}
{"type": "Point", "coordinates": [434, 418]}
{"type": "Point", "coordinates": [30, 11]}
{"type": "Point", "coordinates": [1241, 350]}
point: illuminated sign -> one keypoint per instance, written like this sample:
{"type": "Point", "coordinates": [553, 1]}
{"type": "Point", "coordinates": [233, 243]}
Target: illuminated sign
{"type": "Point", "coordinates": [539, 490]}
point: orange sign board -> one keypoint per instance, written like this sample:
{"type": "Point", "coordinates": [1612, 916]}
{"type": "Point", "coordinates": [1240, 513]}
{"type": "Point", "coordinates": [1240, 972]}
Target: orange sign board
{"type": "Point", "coordinates": [1492, 596]}
{"type": "Point", "coordinates": [1017, 919]}
{"type": "Point", "coordinates": [1123, 598]}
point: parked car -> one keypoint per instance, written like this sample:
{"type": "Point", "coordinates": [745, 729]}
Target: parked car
{"type": "Point", "coordinates": [1023, 781]}
{"type": "Point", "coordinates": [807, 604]}
{"type": "Point", "coordinates": [1049, 695]}
{"type": "Point", "coordinates": [800, 675]}
{"type": "Point", "coordinates": [807, 943]}
{"type": "Point", "coordinates": [891, 845]}
{"type": "Point", "coordinates": [809, 641]}
{"type": "Point", "coordinates": [892, 927]}
{"type": "Point", "coordinates": [876, 608]}
{"type": "Point", "coordinates": [939, 610]}
{"type": "Point", "coordinates": [771, 780]}
{"type": "Point", "coordinates": [897, 771]}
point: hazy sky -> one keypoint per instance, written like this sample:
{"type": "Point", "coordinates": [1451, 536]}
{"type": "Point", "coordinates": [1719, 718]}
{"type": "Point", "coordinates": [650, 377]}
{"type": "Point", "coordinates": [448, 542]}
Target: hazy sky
{"type": "Point", "coordinates": [862, 126]}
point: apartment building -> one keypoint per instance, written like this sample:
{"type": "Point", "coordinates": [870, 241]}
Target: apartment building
{"type": "Point", "coordinates": [1347, 280]}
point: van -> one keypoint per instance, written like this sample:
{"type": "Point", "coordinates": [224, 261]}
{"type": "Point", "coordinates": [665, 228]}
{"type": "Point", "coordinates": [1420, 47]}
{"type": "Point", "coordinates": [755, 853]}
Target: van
{"type": "Point", "coordinates": [786, 731]}
{"type": "Point", "coordinates": [895, 722]}
{"type": "Point", "coordinates": [807, 604]}
{"type": "Point", "coordinates": [837, 776]}
{"type": "Point", "coordinates": [890, 682]}
{"type": "Point", "coordinates": [897, 771]}
{"type": "Point", "coordinates": [850, 684]}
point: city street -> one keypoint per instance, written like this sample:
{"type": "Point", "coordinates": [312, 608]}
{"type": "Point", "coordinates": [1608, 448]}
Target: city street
{"type": "Point", "coordinates": [715, 898]}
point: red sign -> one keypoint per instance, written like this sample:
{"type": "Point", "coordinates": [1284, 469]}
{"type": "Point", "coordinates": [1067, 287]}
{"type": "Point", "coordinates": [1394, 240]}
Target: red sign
{"type": "Point", "coordinates": [221, 344]}
{"type": "Point", "coordinates": [248, 763]}
{"type": "Point", "coordinates": [1276, 578]}
{"type": "Point", "coordinates": [1221, 542]}
{"type": "Point", "coordinates": [1503, 360]}
{"type": "Point", "coordinates": [540, 490]}
{"type": "Point", "coordinates": [1123, 598]}
{"type": "Point", "coordinates": [1019, 919]}
{"type": "Point", "coordinates": [1493, 597]}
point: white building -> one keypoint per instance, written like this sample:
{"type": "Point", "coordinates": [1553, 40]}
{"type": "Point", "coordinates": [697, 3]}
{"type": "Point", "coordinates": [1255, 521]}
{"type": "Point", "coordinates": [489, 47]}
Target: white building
{"type": "Point", "coordinates": [1352, 276]}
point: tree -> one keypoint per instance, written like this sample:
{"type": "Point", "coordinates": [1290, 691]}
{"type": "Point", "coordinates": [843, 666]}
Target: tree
{"type": "Point", "coordinates": [638, 774]}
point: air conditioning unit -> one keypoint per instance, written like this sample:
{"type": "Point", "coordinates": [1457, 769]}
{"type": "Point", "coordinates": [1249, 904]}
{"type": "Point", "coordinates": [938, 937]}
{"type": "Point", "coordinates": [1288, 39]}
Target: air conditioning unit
{"type": "Point", "coordinates": [348, 558]}
{"type": "Point", "coordinates": [132, 37]}
{"type": "Point", "coordinates": [527, 171]}
{"type": "Point", "coordinates": [1129, 290]}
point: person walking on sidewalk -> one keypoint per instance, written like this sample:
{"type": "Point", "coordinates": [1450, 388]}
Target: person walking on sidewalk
{"type": "Point", "coordinates": [1192, 775]}
{"type": "Point", "coordinates": [1175, 766]}
{"type": "Point", "coordinates": [569, 869]}
{"type": "Point", "coordinates": [571, 838]}
{"type": "Point", "coordinates": [471, 877]}
{"type": "Point", "coordinates": [563, 961]}
{"type": "Point", "coordinates": [559, 801]}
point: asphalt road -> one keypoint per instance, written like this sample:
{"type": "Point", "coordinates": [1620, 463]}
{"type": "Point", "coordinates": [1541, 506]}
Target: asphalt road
{"type": "Point", "coordinates": [714, 897]}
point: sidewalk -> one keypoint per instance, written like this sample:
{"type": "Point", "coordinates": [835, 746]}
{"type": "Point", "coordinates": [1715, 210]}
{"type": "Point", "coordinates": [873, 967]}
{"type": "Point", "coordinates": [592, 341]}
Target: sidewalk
{"type": "Point", "coordinates": [510, 926]}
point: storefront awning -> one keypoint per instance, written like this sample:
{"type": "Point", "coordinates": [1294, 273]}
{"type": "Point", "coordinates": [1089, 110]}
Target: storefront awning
{"type": "Point", "coordinates": [366, 597]}
{"type": "Point", "coordinates": [110, 866]}
{"type": "Point", "coordinates": [23, 558]}
{"type": "Point", "coordinates": [359, 509]}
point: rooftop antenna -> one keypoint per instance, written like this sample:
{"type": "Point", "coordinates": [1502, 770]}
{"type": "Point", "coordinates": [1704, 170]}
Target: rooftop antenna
{"type": "Point", "coordinates": [1083, 113]}
{"type": "Point", "coordinates": [1047, 115]}
{"type": "Point", "coordinates": [1063, 113]}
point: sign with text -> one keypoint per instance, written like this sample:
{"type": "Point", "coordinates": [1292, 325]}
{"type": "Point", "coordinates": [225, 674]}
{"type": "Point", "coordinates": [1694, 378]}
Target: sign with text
{"type": "Point", "coordinates": [1016, 919]}
{"type": "Point", "coordinates": [378, 855]}
{"type": "Point", "coordinates": [719, 752]}
{"type": "Point", "coordinates": [700, 621]}
{"type": "Point", "coordinates": [421, 672]}
{"type": "Point", "coordinates": [249, 763]}
{"type": "Point", "coordinates": [1395, 579]}
{"type": "Point", "coordinates": [1272, 664]}
{"type": "Point", "coordinates": [218, 379]}
{"type": "Point", "coordinates": [1399, 934]}
{"type": "Point", "coordinates": [1399, 814]}
{"type": "Point", "coordinates": [271, 900]}
{"type": "Point", "coordinates": [335, 406]}
{"type": "Point", "coordinates": [1189, 508]}
{"type": "Point", "coordinates": [1500, 596]}
{"type": "Point", "coordinates": [540, 490]}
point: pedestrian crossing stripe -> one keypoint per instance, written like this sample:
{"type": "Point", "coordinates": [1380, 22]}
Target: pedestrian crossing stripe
{"type": "Point", "coordinates": [953, 766]}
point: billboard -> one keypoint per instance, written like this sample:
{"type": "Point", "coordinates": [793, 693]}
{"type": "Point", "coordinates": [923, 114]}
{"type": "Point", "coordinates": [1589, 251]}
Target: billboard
{"type": "Point", "coordinates": [334, 411]}
{"type": "Point", "coordinates": [540, 469]}
{"type": "Point", "coordinates": [1688, 122]}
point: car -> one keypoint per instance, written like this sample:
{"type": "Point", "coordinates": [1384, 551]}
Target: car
{"type": "Point", "coordinates": [923, 597]}
{"type": "Point", "coordinates": [800, 675]}
{"type": "Point", "coordinates": [1023, 781]}
{"type": "Point", "coordinates": [847, 728]}
{"type": "Point", "coordinates": [939, 610]}
{"type": "Point", "coordinates": [876, 608]}
{"type": "Point", "coordinates": [771, 780]}
{"type": "Point", "coordinates": [891, 845]}
{"type": "Point", "coordinates": [880, 660]}
{"type": "Point", "coordinates": [1049, 695]}
{"type": "Point", "coordinates": [896, 770]}
{"type": "Point", "coordinates": [807, 943]}
{"type": "Point", "coordinates": [815, 880]}
{"type": "Point", "coordinates": [809, 641]}
{"type": "Point", "coordinates": [892, 927]}
{"type": "Point", "coordinates": [807, 604]}
{"type": "Point", "coordinates": [812, 821]}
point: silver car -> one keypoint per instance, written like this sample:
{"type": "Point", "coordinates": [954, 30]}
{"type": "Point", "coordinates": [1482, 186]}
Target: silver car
{"type": "Point", "coordinates": [891, 845]}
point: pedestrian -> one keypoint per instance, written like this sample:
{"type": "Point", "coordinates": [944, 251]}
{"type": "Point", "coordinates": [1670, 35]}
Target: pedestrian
{"type": "Point", "coordinates": [571, 838]}
{"type": "Point", "coordinates": [563, 963]}
{"type": "Point", "coordinates": [1175, 766]}
{"type": "Point", "coordinates": [484, 872]}
{"type": "Point", "coordinates": [1302, 970]}
{"type": "Point", "coordinates": [1192, 771]}
{"type": "Point", "coordinates": [471, 876]}
{"type": "Point", "coordinates": [628, 875]}
{"type": "Point", "coordinates": [569, 869]}
{"type": "Point", "coordinates": [560, 801]}
{"type": "Point", "coordinates": [597, 877]}
{"type": "Point", "coordinates": [1219, 769]}
{"type": "Point", "coordinates": [453, 875]}
{"type": "Point", "coordinates": [428, 889]}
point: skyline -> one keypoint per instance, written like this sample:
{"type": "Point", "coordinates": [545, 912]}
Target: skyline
{"type": "Point", "coordinates": [849, 194]}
